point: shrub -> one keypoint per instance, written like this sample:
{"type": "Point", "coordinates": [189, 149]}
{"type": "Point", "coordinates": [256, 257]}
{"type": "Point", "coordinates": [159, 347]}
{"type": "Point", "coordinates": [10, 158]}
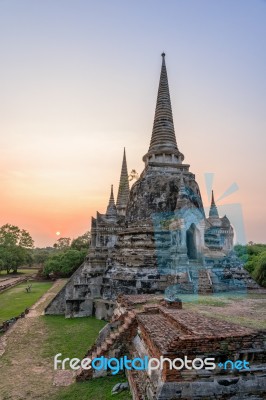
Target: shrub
{"type": "Point", "coordinates": [260, 269]}
{"type": "Point", "coordinates": [63, 264]}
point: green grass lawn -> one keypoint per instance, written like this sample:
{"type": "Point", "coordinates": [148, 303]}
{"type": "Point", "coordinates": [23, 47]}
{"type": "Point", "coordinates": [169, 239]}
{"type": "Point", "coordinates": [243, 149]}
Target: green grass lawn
{"type": "Point", "coordinates": [71, 337]}
{"type": "Point", "coordinates": [21, 271]}
{"type": "Point", "coordinates": [28, 271]}
{"type": "Point", "coordinates": [14, 301]}
{"type": "Point", "coordinates": [95, 389]}
{"type": "Point", "coordinates": [41, 339]}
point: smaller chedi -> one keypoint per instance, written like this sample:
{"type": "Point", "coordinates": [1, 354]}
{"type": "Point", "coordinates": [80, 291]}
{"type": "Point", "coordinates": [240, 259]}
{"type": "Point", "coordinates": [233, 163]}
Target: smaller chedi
{"type": "Point", "coordinates": [156, 237]}
{"type": "Point", "coordinates": [219, 233]}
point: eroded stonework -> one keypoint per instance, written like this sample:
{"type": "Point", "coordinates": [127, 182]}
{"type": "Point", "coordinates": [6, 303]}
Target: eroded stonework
{"type": "Point", "coordinates": [148, 326]}
{"type": "Point", "coordinates": [156, 237]}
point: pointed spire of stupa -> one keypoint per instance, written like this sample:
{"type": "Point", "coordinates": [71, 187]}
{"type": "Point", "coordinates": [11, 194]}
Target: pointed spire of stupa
{"type": "Point", "coordinates": [163, 133]}
{"type": "Point", "coordinates": [123, 190]}
{"type": "Point", "coordinates": [111, 208]}
{"type": "Point", "coordinates": [213, 209]}
{"type": "Point", "coordinates": [163, 147]}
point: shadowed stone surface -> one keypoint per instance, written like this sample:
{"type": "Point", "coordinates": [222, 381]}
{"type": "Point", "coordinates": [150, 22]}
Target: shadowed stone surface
{"type": "Point", "coordinates": [142, 328]}
{"type": "Point", "coordinates": [156, 238]}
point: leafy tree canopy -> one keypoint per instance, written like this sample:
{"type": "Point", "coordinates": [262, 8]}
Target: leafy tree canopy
{"type": "Point", "coordinates": [260, 269]}
{"type": "Point", "coordinates": [15, 247]}
{"type": "Point", "coordinates": [63, 264]}
{"type": "Point", "coordinates": [81, 242]}
{"type": "Point", "coordinates": [66, 256]}
{"type": "Point", "coordinates": [62, 243]}
{"type": "Point", "coordinates": [254, 257]}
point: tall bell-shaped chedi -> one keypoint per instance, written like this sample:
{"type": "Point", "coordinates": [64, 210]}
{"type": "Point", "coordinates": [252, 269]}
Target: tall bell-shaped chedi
{"type": "Point", "coordinates": [154, 232]}
{"type": "Point", "coordinates": [141, 257]}
{"type": "Point", "coordinates": [157, 189]}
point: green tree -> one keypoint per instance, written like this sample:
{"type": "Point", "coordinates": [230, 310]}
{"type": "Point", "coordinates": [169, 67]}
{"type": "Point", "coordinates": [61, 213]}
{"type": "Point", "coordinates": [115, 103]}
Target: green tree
{"type": "Point", "coordinates": [63, 243]}
{"type": "Point", "coordinates": [15, 247]}
{"type": "Point", "coordinates": [63, 264]}
{"type": "Point", "coordinates": [40, 255]}
{"type": "Point", "coordinates": [254, 257]}
{"type": "Point", "coordinates": [260, 269]}
{"type": "Point", "coordinates": [81, 242]}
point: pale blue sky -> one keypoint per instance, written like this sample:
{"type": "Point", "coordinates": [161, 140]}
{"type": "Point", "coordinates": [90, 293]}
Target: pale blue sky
{"type": "Point", "coordinates": [78, 82]}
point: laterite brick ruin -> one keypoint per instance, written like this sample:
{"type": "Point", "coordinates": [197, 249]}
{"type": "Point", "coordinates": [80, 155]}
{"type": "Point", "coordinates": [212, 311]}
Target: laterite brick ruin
{"type": "Point", "coordinates": [153, 244]}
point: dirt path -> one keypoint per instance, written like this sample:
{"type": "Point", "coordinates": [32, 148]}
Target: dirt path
{"type": "Point", "coordinates": [38, 308]}
{"type": "Point", "coordinates": [24, 373]}
{"type": "Point", "coordinates": [7, 283]}
{"type": "Point", "coordinates": [250, 312]}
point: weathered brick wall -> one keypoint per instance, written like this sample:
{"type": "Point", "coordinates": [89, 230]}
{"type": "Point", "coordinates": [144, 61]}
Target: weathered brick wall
{"type": "Point", "coordinates": [175, 334]}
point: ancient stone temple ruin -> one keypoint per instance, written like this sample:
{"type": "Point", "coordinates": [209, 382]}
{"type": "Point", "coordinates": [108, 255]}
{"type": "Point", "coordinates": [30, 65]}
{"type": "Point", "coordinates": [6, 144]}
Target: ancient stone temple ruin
{"type": "Point", "coordinates": [145, 326]}
{"type": "Point", "coordinates": [156, 237]}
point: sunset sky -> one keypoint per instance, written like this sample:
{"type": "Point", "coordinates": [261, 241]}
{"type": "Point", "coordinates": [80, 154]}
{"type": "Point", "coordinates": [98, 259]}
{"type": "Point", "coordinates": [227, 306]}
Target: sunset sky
{"type": "Point", "coordinates": [78, 82]}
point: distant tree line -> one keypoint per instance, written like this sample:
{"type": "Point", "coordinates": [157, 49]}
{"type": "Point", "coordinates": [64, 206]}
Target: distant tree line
{"type": "Point", "coordinates": [254, 257]}
{"type": "Point", "coordinates": [17, 250]}
{"type": "Point", "coordinates": [67, 256]}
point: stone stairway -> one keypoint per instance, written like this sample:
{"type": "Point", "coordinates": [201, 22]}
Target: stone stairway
{"type": "Point", "coordinates": [204, 282]}
{"type": "Point", "coordinates": [234, 279]}
{"type": "Point", "coordinates": [198, 281]}
{"type": "Point", "coordinates": [108, 344]}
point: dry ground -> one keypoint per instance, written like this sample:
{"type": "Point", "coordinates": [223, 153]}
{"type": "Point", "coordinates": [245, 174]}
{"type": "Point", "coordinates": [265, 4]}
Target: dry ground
{"type": "Point", "coordinates": [248, 310]}
{"type": "Point", "coordinates": [24, 373]}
